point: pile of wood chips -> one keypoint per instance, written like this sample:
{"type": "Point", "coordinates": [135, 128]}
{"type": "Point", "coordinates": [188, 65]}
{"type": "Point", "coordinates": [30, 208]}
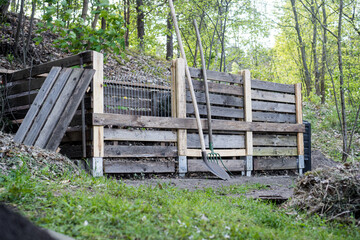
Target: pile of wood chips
{"type": "Point", "coordinates": [333, 193]}
{"type": "Point", "coordinates": [14, 155]}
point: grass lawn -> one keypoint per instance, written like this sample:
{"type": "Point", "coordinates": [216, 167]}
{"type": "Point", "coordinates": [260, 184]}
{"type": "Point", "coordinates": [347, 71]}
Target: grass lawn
{"type": "Point", "coordinates": [99, 208]}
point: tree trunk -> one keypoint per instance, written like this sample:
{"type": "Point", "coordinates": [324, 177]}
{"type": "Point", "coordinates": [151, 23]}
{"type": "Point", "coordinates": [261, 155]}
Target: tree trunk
{"type": "Point", "coordinates": [169, 39]}
{"type": "Point", "coordinates": [19, 26]}
{"type": "Point", "coordinates": [96, 18]}
{"type": "Point", "coordinates": [4, 7]}
{"type": "Point", "coordinates": [127, 21]}
{"type": "Point", "coordinates": [314, 11]}
{"type": "Point", "coordinates": [140, 23]}
{"type": "Point", "coordinates": [342, 91]}
{"type": "Point", "coordinates": [85, 9]}
{"type": "Point", "coordinates": [323, 58]}
{"type": "Point", "coordinates": [33, 8]}
{"type": "Point", "coordinates": [302, 50]}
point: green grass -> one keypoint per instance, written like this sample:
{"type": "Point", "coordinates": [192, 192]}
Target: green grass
{"type": "Point", "coordinates": [99, 208]}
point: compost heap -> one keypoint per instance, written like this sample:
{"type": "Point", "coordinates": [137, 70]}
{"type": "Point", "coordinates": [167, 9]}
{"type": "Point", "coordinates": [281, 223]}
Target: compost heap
{"type": "Point", "coordinates": [44, 163]}
{"type": "Point", "coordinates": [333, 193]}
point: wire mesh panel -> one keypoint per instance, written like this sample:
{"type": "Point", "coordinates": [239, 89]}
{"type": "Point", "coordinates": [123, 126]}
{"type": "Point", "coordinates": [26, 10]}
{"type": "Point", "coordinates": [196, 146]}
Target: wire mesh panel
{"type": "Point", "coordinates": [133, 94]}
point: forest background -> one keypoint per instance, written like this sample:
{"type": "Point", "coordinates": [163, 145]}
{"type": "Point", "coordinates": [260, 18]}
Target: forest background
{"type": "Point", "coordinates": [316, 42]}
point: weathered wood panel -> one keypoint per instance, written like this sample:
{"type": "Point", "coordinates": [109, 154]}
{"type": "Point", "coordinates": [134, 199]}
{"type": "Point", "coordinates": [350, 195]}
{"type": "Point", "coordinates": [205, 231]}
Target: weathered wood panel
{"type": "Point", "coordinates": [216, 111]}
{"type": "Point", "coordinates": [273, 117]}
{"type": "Point", "coordinates": [275, 151]}
{"type": "Point", "coordinates": [195, 165]}
{"type": "Point", "coordinates": [218, 88]}
{"type": "Point", "coordinates": [102, 119]}
{"type": "Point", "coordinates": [281, 163]}
{"type": "Point", "coordinates": [222, 152]}
{"type": "Point", "coordinates": [139, 135]}
{"type": "Point", "coordinates": [219, 141]}
{"type": "Point", "coordinates": [216, 76]}
{"type": "Point", "coordinates": [273, 107]}
{"type": "Point", "coordinates": [271, 86]}
{"type": "Point", "coordinates": [274, 140]}
{"type": "Point", "coordinates": [272, 96]}
{"type": "Point", "coordinates": [113, 166]}
{"type": "Point", "coordinates": [217, 99]}
{"type": "Point", "coordinates": [139, 151]}
{"type": "Point", "coordinates": [24, 86]}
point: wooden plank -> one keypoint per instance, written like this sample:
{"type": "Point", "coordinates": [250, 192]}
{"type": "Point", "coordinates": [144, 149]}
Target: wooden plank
{"type": "Point", "coordinates": [181, 104]}
{"type": "Point", "coordinates": [46, 67]}
{"type": "Point", "coordinates": [216, 76]}
{"type": "Point", "coordinates": [25, 98]}
{"type": "Point", "coordinates": [37, 104]}
{"type": "Point", "coordinates": [195, 165]}
{"type": "Point", "coordinates": [282, 163]}
{"type": "Point", "coordinates": [274, 140]}
{"type": "Point", "coordinates": [60, 103]}
{"type": "Point", "coordinates": [272, 96]}
{"type": "Point", "coordinates": [216, 111]}
{"type": "Point", "coordinates": [24, 86]}
{"type": "Point", "coordinates": [173, 89]}
{"type": "Point", "coordinates": [271, 86]}
{"type": "Point", "coordinates": [220, 141]}
{"type": "Point", "coordinates": [48, 105]}
{"type": "Point", "coordinates": [273, 107]}
{"type": "Point", "coordinates": [139, 151]}
{"type": "Point", "coordinates": [218, 88]}
{"type": "Point", "coordinates": [216, 99]}
{"type": "Point", "coordinates": [275, 151]}
{"type": "Point", "coordinates": [103, 119]}
{"type": "Point", "coordinates": [111, 134]}
{"type": "Point", "coordinates": [273, 117]}
{"type": "Point", "coordinates": [222, 152]}
{"type": "Point", "coordinates": [300, 136]}
{"type": "Point", "coordinates": [112, 166]}
{"type": "Point", "coordinates": [248, 112]}
{"type": "Point", "coordinates": [70, 109]}
{"type": "Point", "coordinates": [98, 103]}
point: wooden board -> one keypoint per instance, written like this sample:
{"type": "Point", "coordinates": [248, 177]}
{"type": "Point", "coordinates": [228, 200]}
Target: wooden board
{"type": "Point", "coordinates": [197, 165]}
{"type": "Point", "coordinates": [280, 163]}
{"type": "Point", "coordinates": [275, 151]}
{"type": "Point", "coordinates": [119, 166]}
{"type": "Point", "coordinates": [220, 141]}
{"type": "Point", "coordinates": [215, 76]}
{"type": "Point", "coordinates": [273, 117]}
{"type": "Point", "coordinates": [218, 88]}
{"type": "Point", "coordinates": [111, 134]}
{"type": "Point", "coordinates": [217, 99]}
{"type": "Point", "coordinates": [272, 96]}
{"type": "Point", "coordinates": [139, 151]}
{"type": "Point", "coordinates": [274, 140]}
{"type": "Point", "coordinates": [271, 86]}
{"type": "Point", "coordinates": [46, 67]}
{"type": "Point", "coordinates": [273, 107]}
{"type": "Point", "coordinates": [216, 111]}
{"type": "Point", "coordinates": [180, 91]}
{"type": "Point", "coordinates": [103, 119]}
{"type": "Point", "coordinates": [24, 86]}
{"type": "Point", "coordinates": [222, 152]}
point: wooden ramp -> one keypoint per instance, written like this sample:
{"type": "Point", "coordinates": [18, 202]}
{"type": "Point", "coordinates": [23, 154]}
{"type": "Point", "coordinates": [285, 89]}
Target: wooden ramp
{"type": "Point", "coordinates": [54, 107]}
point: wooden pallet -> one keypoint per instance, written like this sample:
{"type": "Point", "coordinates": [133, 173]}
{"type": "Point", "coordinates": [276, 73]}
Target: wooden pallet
{"type": "Point", "coordinates": [54, 107]}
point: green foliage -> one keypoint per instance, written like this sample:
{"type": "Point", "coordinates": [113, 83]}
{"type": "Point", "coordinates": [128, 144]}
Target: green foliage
{"type": "Point", "coordinates": [98, 208]}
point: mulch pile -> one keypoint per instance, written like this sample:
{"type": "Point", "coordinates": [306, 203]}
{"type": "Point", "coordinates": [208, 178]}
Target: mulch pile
{"type": "Point", "coordinates": [14, 155]}
{"type": "Point", "coordinates": [333, 193]}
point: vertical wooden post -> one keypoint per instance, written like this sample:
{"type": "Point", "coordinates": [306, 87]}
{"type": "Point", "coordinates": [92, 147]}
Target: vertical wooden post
{"type": "Point", "coordinates": [96, 163]}
{"type": "Point", "coordinates": [299, 120]}
{"type": "Point", "coordinates": [248, 118]}
{"type": "Point", "coordinates": [180, 90]}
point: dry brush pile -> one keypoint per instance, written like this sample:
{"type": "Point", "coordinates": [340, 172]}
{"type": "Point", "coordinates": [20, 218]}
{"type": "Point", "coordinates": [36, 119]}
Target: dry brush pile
{"type": "Point", "coordinates": [333, 193]}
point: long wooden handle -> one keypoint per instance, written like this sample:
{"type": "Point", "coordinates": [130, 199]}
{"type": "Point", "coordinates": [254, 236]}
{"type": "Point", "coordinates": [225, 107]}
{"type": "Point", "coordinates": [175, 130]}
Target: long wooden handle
{"type": "Point", "coordinates": [203, 65]}
{"type": "Point", "coordinates": [188, 76]}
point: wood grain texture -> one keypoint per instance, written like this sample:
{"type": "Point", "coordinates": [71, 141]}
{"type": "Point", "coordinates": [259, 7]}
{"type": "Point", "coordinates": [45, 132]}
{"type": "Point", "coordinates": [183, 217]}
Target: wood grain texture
{"type": "Point", "coordinates": [274, 140]}
{"type": "Point", "coordinates": [299, 118]}
{"type": "Point", "coordinates": [217, 111]}
{"type": "Point", "coordinates": [248, 111]}
{"type": "Point", "coordinates": [111, 134]}
{"type": "Point", "coordinates": [222, 152]}
{"type": "Point", "coordinates": [275, 151]}
{"type": "Point", "coordinates": [24, 86]}
{"type": "Point", "coordinates": [273, 117]}
{"type": "Point", "coordinates": [272, 96]}
{"type": "Point", "coordinates": [195, 165]}
{"type": "Point", "coordinates": [220, 141]}
{"type": "Point", "coordinates": [189, 123]}
{"type": "Point", "coordinates": [273, 107]}
{"type": "Point", "coordinates": [139, 151]}
{"type": "Point", "coordinates": [216, 76]}
{"type": "Point", "coordinates": [218, 88]}
{"type": "Point", "coordinates": [217, 99]}
{"type": "Point", "coordinates": [283, 163]}
{"type": "Point", "coordinates": [271, 86]}
{"type": "Point", "coordinates": [181, 103]}
{"type": "Point", "coordinates": [119, 166]}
